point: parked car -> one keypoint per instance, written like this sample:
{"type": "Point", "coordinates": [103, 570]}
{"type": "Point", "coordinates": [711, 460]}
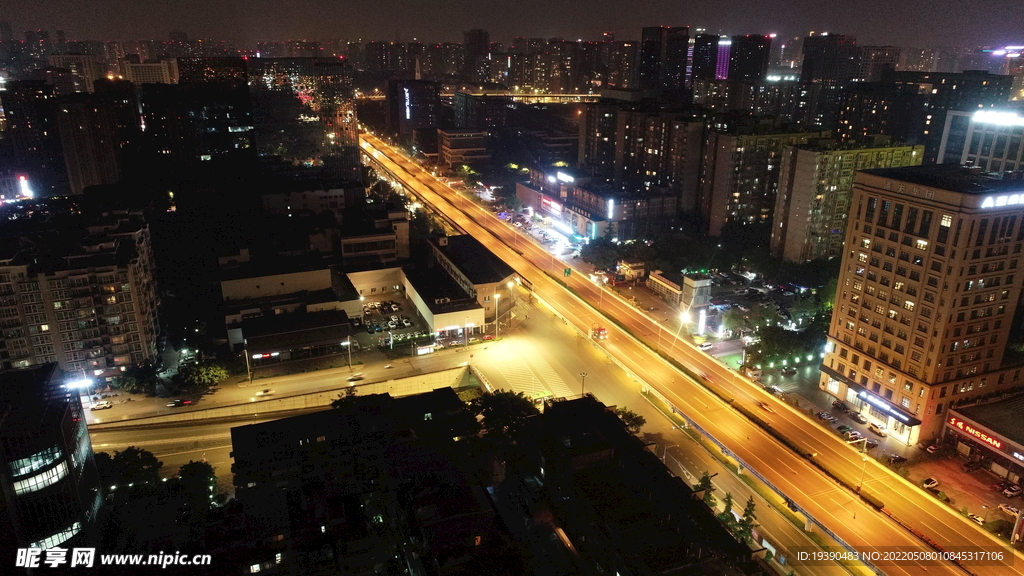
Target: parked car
{"type": "Point", "coordinates": [706, 346]}
{"type": "Point", "coordinates": [971, 466]}
{"type": "Point", "coordinates": [870, 444]}
{"type": "Point", "coordinates": [788, 371]}
{"type": "Point", "coordinates": [356, 377]}
{"type": "Point", "coordinates": [774, 391]}
{"type": "Point", "coordinates": [860, 419]}
{"type": "Point", "coordinates": [853, 436]}
{"type": "Point", "coordinates": [897, 459]}
{"type": "Point", "coordinates": [840, 406]}
{"type": "Point", "coordinates": [102, 405]}
{"type": "Point", "coordinates": [178, 403]}
{"type": "Point", "coordinates": [1012, 492]}
{"type": "Point", "coordinates": [488, 337]}
{"type": "Point", "coordinates": [1002, 485]}
{"type": "Point", "coordinates": [877, 430]}
{"type": "Point", "coordinates": [823, 416]}
{"type": "Point", "coordinates": [929, 483]}
{"type": "Point", "coordinates": [265, 392]}
{"type": "Point", "coordinates": [976, 519]}
{"type": "Point", "coordinates": [843, 428]}
{"type": "Point", "coordinates": [406, 323]}
{"type": "Point", "coordinates": [1011, 510]}
{"type": "Point", "coordinates": [933, 448]}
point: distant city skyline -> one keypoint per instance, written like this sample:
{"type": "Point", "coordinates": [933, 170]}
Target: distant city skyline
{"type": "Point", "coordinates": [913, 23]}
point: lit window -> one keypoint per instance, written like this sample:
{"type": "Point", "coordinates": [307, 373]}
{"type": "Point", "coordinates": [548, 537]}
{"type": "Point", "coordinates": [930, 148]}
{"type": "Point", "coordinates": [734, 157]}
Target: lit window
{"type": "Point", "coordinates": [254, 568]}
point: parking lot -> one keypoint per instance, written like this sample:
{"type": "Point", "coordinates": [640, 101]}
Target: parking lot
{"type": "Point", "coordinates": [387, 323]}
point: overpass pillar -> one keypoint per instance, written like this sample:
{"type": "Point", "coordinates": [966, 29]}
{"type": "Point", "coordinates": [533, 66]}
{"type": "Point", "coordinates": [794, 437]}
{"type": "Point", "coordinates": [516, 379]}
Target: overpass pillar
{"type": "Point", "coordinates": [808, 525]}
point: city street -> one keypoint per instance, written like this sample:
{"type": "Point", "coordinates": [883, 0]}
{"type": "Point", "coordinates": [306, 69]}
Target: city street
{"type": "Point", "coordinates": [853, 520]}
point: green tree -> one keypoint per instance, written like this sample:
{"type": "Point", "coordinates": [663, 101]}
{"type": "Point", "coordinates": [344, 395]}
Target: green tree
{"type": "Point", "coordinates": [601, 253]}
{"type": "Point", "coordinates": [726, 515]}
{"type": "Point", "coordinates": [345, 397]}
{"type": "Point", "coordinates": [137, 379]}
{"type": "Point", "coordinates": [633, 421]}
{"type": "Point", "coordinates": [198, 482]}
{"type": "Point", "coordinates": [135, 465]}
{"type": "Point", "coordinates": [707, 487]}
{"type": "Point", "coordinates": [504, 413]}
{"type": "Point", "coordinates": [734, 319]}
{"type": "Point", "coordinates": [827, 294]}
{"type": "Point", "coordinates": [201, 376]}
{"type": "Point", "coordinates": [745, 526]}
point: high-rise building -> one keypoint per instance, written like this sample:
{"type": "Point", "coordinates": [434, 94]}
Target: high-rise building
{"type": "Point", "coordinates": [705, 57]}
{"type": "Point", "coordinates": [927, 291]}
{"type": "Point", "coordinates": [990, 140]}
{"type": "Point", "coordinates": [31, 144]}
{"type": "Point", "coordinates": [874, 60]}
{"type": "Point", "coordinates": [6, 32]}
{"type": "Point", "coordinates": [163, 72]}
{"type": "Point", "coordinates": [49, 486]}
{"type": "Point", "coordinates": [622, 64]}
{"type": "Point", "coordinates": [480, 111]}
{"type": "Point", "coordinates": [477, 45]}
{"type": "Point", "coordinates": [412, 105]}
{"type": "Point", "coordinates": [659, 151]}
{"type": "Point", "coordinates": [912, 106]}
{"type": "Point", "coordinates": [87, 303]}
{"type": "Point", "coordinates": [749, 57]}
{"type": "Point", "coordinates": [84, 66]}
{"type": "Point", "coordinates": [597, 150]}
{"type": "Point", "coordinates": [831, 61]}
{"type": "Point", "coordinates": [722, 63]}
{"type": "Point", "coordinates": [90, 140]}
{"type": "Point", "coordinates": [815, 184]}
{"type": "Point", "coordinates": [740, 174]}
{"type": "Point", "coordinates": [663, 51]}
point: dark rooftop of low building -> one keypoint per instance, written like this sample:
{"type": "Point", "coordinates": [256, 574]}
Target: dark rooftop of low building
{"type": "Point", "coordinates": [278, 332]}
{"type": "Point", "coordinates": [479, 264]}
{"type": "Point", "coordinates": [438, 291]}
{"type": "Point", "coordinates": [952, 177]}
{"type": "Point", "coordinates": [1001, 416]}
{"type": "Point", "coordinates": [273, 266]}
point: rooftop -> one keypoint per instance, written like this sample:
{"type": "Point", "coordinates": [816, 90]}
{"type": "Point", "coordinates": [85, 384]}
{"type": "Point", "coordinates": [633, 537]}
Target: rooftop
{"type": "Point", "coordinates": [474, 260]}
{"type": "Point", "coordinates": [296, 330]}
{"type": "Point", "coordinates": [440, 293]}
{"type": "Point", "coordinates": [1001, 416]}
{"type": "Point", "coordinates": [952, 177]}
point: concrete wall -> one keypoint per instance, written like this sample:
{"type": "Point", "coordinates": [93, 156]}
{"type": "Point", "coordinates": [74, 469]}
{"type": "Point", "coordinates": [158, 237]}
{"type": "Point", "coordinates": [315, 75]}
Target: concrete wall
{"type": "Point", "coordinates": [275, 284]}
{"type": "Point", "coordinates": [377, 284]}
{"type": "Point", "coordinates": [400, 387]}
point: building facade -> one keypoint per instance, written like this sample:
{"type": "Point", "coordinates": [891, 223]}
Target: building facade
{"type": "Point", "coordinates": [815, 185]}
{"type": "Point", "coordinates": [926, 296]}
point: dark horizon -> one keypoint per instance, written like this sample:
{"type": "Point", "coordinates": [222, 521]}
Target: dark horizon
{"type": "Point", "coordinates": [916, 23]}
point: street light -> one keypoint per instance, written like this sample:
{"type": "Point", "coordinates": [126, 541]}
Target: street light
{"type": "Point", "coordinates": [863, 468]}
{"type": "Point", "coordinates": [583, 386]}
{"type": "Point", "coordinates": [497, 314]}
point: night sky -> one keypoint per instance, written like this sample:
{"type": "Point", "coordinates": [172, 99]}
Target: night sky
{"type": "Point", "coordinates": [904, 23]}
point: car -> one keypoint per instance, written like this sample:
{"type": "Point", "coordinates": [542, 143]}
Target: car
{"type": "Point", "coordinates": [1002, 485]}
{"type": "Point", "coordinates": [877, 430]}
{"type": "Point", "coordinates": [743, 308]}
{"type": "Point", "coordinates": [392, 324]}
{"type": "Point", "coordinates": [369, 328]}
{"type": "Point", "coordinates": [897, 459]}
{"type": "Point", "coordinates": [774, 391]}
{"type": "Point", "coordinates": [853, 436]}
{"type": "Point", "coordinates": [1012, 492]}
{"type": "Point", "coordinates": [840, 406]}
{"type": "Point", "coordinates": [706, 378]}
{"type": "Point", "coordinates": [706, 346]}
{"type": "Point", "coordinates": [823, 415]}
{"type": "Point", "coordinates": [871, 444]}
{"type": "Point", "coordinates": [178, 403]}
{"type": "Point", "coordinates": [766, 407]}
{"type": "Point", "coordinates": [356, 377]}
{"type": "Point", "coordinates": [406, 323]}
{"type": "Point", "coordinates": [976, 519]}
{"type": "Point", "coordinates": [102, 405]}
{"type": "Point", "coordinates": [843, 428]}
{"type": "Point", "coordinates": [488, 337]}
{"type": "Point", "coordinates": [933, 448]}
{"type": "Point", "coordinates": [929, 483]}
{"type": "Point", "coordinates": [860, 419]}
{"type": "Point", "coordinates": [1007, 509]}
{"type": "Point", "coordinates": [971, 466]}
{"type": "Point", "coordinates": [265, 392]}
{"type": "Point", "coordinates": [394, 319]}
{"type": "Point", "coordinates": [788, 371]}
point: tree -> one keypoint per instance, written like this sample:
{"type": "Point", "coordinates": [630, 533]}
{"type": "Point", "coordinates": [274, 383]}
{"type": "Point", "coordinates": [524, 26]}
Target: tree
{"type": "Point", "coordinates": [137, 379]}
{"type": "Point", "coordinates": [504, 413]}
{"type": "Point", "coordinates": [745, 526]}
{"type": "Point", "coordinates": [198, 482]}
{"type": "Point", "coordinates": [734, 319]}
{"type": "Point", "coordinates": [201, 376]}
{"type": "Point", "coordinates": [135, 465]}
{"type": "Point", "coordinates": [633, 421]}
{"type": "Point", "coordinates": [707, 487]}
{"type": "Point", "coordinates": [827, 294]}
{"type": "Point", "coordinates": [344, 398]}
{"type": "Point", "coordinates": [726, 515]}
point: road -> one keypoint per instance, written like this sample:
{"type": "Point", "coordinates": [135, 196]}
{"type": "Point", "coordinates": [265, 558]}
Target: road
{"type": "Point", "coordinates": [837, 508]}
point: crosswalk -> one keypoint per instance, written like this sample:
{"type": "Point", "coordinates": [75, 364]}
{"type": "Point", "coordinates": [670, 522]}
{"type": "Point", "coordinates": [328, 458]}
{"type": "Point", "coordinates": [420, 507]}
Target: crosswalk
{"type": "Point", "coordinates": [534, 377]}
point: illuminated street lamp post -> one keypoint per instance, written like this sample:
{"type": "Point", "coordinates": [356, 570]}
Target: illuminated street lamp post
{"type": "Point", "coordinates": [497, 314]}
{"type": "Point", "coordinates": [863, 468]}
{"type": "Point", "coordinates": [583, 386]}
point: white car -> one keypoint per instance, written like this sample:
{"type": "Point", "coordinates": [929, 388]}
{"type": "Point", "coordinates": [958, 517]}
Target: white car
{"type": "Point", "coordinates": [877, 430]}
{"type": "Point", "coordinates": [929, 483]}
{"type": "Point", "coordinates": [265, 392]}
{"type": "Point", "coordinates": [1012, 511]}
{"type": "Point", "coordinates": [706, 346]}
{"type": "Point", "coordinates": [976, 519]}
{"type": "Point", "coordinates": [102, 405]}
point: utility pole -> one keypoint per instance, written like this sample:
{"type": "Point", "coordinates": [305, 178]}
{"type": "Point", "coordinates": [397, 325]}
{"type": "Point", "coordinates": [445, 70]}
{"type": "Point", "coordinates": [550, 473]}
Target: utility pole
{"type": "Point", "coordinates": [583, 386]}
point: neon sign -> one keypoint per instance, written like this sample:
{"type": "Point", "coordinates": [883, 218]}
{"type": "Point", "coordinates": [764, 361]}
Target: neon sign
{"type": "Point", "coordinates": [972, 431]}
{"type": "Point", "coordinates": [883, 406]}
{"type": "Point", "coordinates": [551, 206]}
{"type": "Point", "coordinates": [1000, 201]}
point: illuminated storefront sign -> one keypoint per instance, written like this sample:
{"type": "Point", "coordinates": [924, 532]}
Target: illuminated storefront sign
{"type": "Point", "coordinates": [551, 206]}
{"type": "Point", "coordinates": [1001, 201]}
{"type": "Point", "coordinates": [565, 177]}
{"type": "Point", "coordinates": [886, 408]}
{"type": "Point", "coordinates": [976, 433]}
{"type": "Point", "coordinates": [1000, 118]}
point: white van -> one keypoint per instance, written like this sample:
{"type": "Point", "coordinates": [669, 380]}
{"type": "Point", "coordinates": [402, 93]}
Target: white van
{"type": "Point", "coordinates": [877, 430]}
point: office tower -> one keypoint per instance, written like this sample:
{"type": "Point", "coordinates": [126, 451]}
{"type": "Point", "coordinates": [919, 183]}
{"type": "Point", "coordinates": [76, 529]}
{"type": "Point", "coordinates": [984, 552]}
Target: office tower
{"type": "Point", "coordinates": [832, 60]}
{"type": "Point", "coordinates": [564, 67]}
{"type": "Point", "coordinates": [722, 61]}
{"type": "Point", "coordinates": [31, 144]}
{"type": "Point", "coordinates": [622, 64]}
{"type": "Point", "coordinates": [412, 105]}
{"type": "Point", "coordinates": [304, 117]}
{"type": "Point", "coordinates": [163, 72]}
{"type": "Point", "coordinates": [83, 66]}
{"type": "Point", "coordinates": [990, 140]}
{"type": "Point", "coordinates": [740, 174]}
{"type": "Point", "coordinates": [476, 45]}
{"type": "Point", "coordinates": [37, 43]}
{"type": "Point", "coordinates": [927, 291]}
{"type": "Point", "coordinates": [911, 107]}
{"type": "Point", "coordinates": [662, 64]}
{"type": "Point", "coordinates": [815, 184]}
{"type": "Point", "coordinates": [705, 57]}
{"type": "Point", "coordinates": [874, 60]}
{"type": "Point", "coordinates": [791, 57]}
{"type": "Point", "coordinates": [48, 480]}
{"type": "Point", "coordinates": [480, 111]}
{"type": "Point", "coordinates": [749, 57]}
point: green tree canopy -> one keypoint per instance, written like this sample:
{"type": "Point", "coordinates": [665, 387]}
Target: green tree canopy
{"type": "Point", "coordinates": [504, 413]}
{"type": "Point", "coordinates": [137, 379]}
{"type": "Point", "coordinates": [633, 421]}
{"type": "Point", "coordinates": [201, 376]}
{"type": "Point", "coordinates": [198, 482]}
{"type": "Point", "coordinates": [135, 465]}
